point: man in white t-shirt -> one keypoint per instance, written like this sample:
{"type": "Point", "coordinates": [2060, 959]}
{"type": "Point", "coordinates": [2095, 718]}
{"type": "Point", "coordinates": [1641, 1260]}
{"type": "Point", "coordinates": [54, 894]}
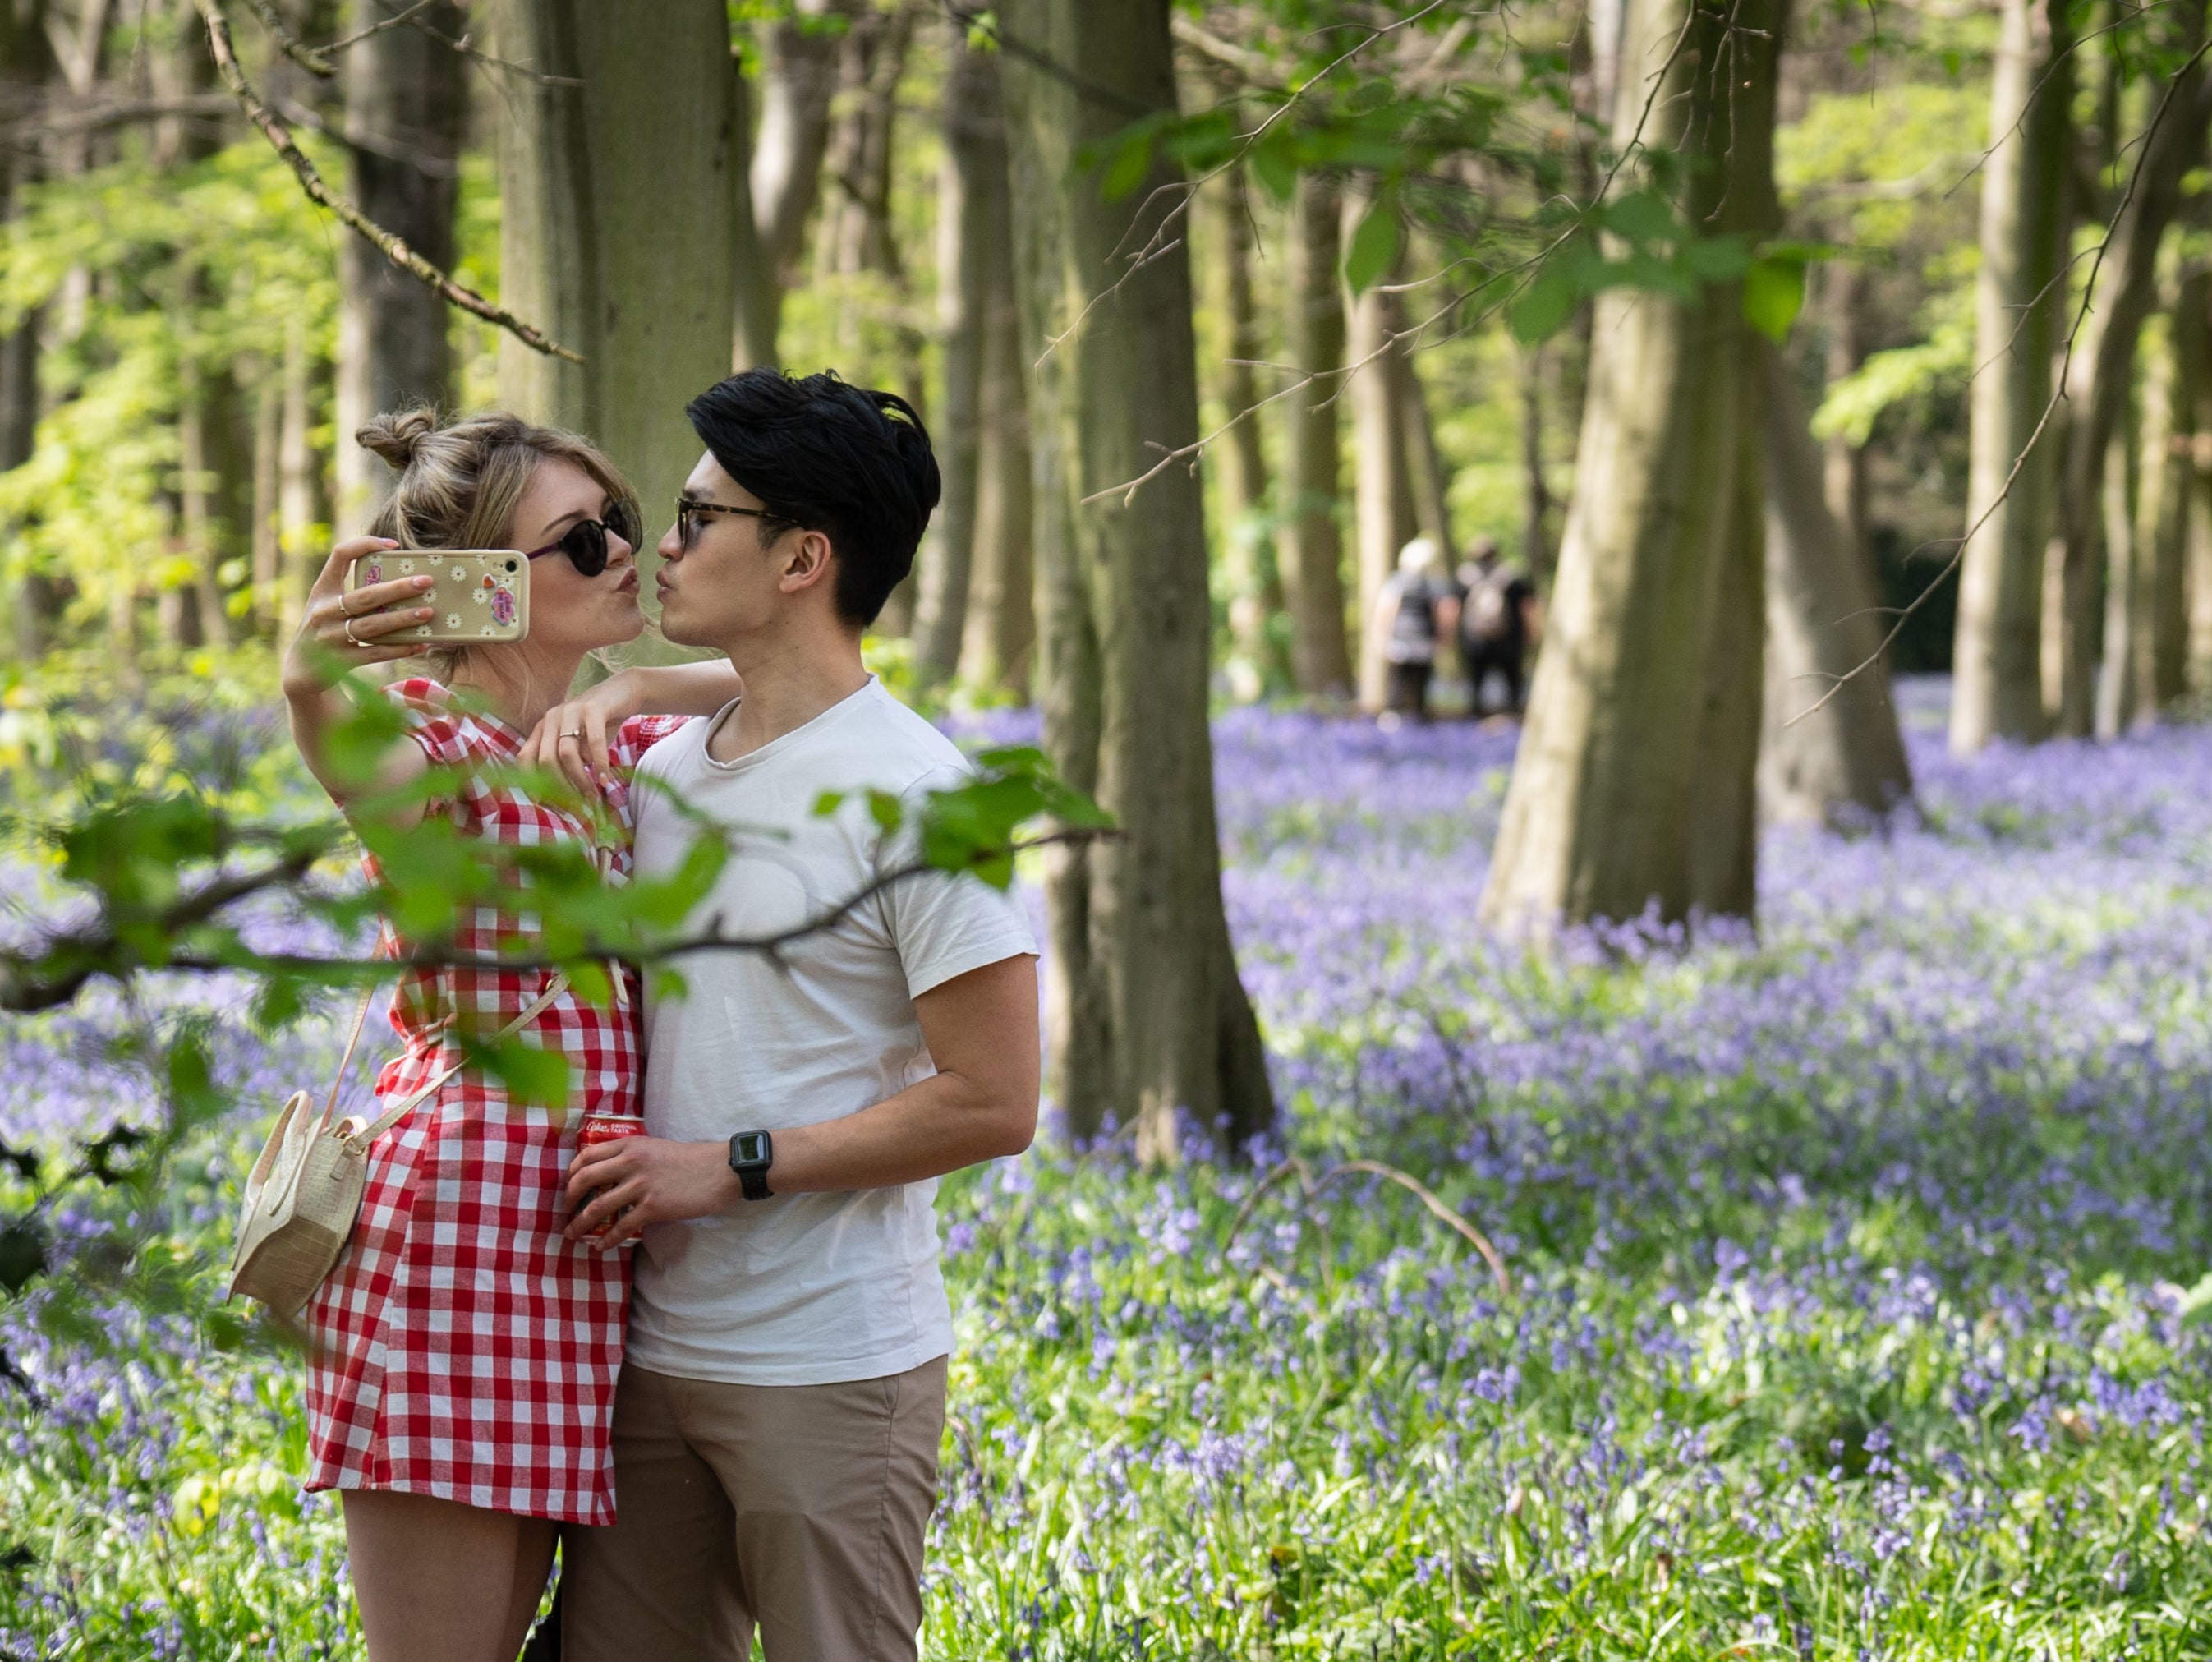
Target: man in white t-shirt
{"type": "Point", "coordinates": [776, 1428]}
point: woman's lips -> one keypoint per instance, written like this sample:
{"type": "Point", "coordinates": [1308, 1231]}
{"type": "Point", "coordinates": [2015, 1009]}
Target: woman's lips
{"type": "Point", "coordinates": [628, 583]}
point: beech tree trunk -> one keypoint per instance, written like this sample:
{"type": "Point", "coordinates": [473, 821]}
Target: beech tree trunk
{"type": "Point", "coordinates": [785, 173]}
{"type": "Point", "coordinates": [195, 484]}
{"type": "Point", "coordinates": [614, 241]}
{"type": "Point", "coordinates": [1313, 546]}
{"type": "Point", "coordinates": [1255, 587]}
{"type": "Point", "coordinates": [1846, 765]}
{"type": "Point", "coordinates": [264, 544]}
{"type": "Point", "coordinates": [1535, 489]}
{"type": "Point", "coordinates": [972, 248]}
{"type": "Point", "coordinates": [2157, 649]}
{"type": "Point", "coordinates": [1148, 1018]}
{"type": "Point", "coordinates": [759, 293]}
{"type": "Point", "coordinates": [1426, 478]}
{"type": "Point", "coordinates": [1383, 492]}
{"type": "Point", "coordinates": [856, 221]}
{"type": "Point", "coordinates": [406, 103]}
{"type": "Point", "coordinates": [2196, 320]}
{"type": "Point", "coordinates": [995, 648]}
{"type": "Point", "coordinates": [1843, 463]}
{"type": "Point", "coordinates": [300, 522]}
{"type": "Point", "coordinates": [2100, 382]}
{"type": "Point", "coordinates": [27, 63]}
{"type": "Point", "coordinates": [2115, 686]}
{"type": "Point", "coordinates": [1633, 785]}
{"type": "Point", "coordinates": [2020, 309]}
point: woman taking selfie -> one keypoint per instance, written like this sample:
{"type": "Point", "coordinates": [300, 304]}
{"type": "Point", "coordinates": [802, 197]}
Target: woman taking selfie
{"type": "Point", "coordinates": [463, 1354]}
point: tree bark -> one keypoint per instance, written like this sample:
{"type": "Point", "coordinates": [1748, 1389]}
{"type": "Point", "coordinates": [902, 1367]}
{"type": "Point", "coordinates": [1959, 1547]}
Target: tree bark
{"type": "Point", "coordinates": [1535, 489]}
{"type": "Point", "coordinates": [758, 292]}
{"type": "Point", "coordinates": [1382, 493]}
{"type": "Point", "coordinates": [1846, 765]}
{"type": "Point", "coordinates": [614, 239]}
{"type": "Point", "coordinates": [1843, 474]}
{"type": "Point", "coordinates": [300, 519]}
{"type": "Point", "coordinates": [406, 97]}
{"type": "Point", "coordinates": [1632, 788]}
{"type": "Point", "coordinates": [264, 546]}
{"type": "Point", "coordinates": [2020, 302]}
{"type": "Point", "coordinates": [195, 485]}
{"type": "Point", "coordinates": [856, 222]}
{"type": "Point", "coordinates": [2115, 703]}
{"type": "Point", "coordinates": [785, 175]}
{"type": "Point", "coordinates": [1149, 1016]}
{"type": "Point", "coordinates": [972, 233]}
{"type": "Point", "coordinates": [1313, 549]}
{"type": "Point", "coordinates": [27, 63]}
{"type": "Point", "coordinates": [2100, 382]}
{"type": "Point", "coordinates": [1001, 622]}
{"type": "Point", "coordinates": [2169, 486]}
{"type": "Point", "coordinates": [1426, 481]}
{"type": "Point", "coordinates": [1255, 587]}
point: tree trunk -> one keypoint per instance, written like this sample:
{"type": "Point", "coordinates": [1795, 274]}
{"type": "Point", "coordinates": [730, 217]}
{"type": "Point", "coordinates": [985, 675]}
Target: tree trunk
{"type": "Point", "coordinates": [2019, 305]}
{"type": "Point", "coordinates": [2197, 558]}
{"type": "Point", "coordinates": [26, 63]}
{"type": "Point", "coordinates": [1255, 587]}
{"type": "Point", "coordinates": [758, 291]}
{"type": "Point", "coordinates": [1843, 476]}
{"type": "Point", "coordinates": [1425, 478]}
{"type": "Point", "coordinates": [1001, 624]}
{"type": "Point", "coordinates": [2169, 485]}
{"type": "Point", "coordinates": [2100, 382]}
{"type": "Point", "coordinates": [1141, 941]}
{"type": "Point", "coordinates": [615, 239]}
{"type": "Point", "coordinates": [1313, 549]}
{"type": "Point", "coordinates": [1536, 490]}
{"type": "Point", "coordinates": [1846, 765]}
{"type": "Point", "coordinates": [856, 222]}
{"type": "Point", "coordinates": [263, 536]}
{"type": "Point", "coordinates": [1382, 491]}
{"type": "Point", "coordinates": [2116, 702]}
{"type": "Point", "coordinates": [406, 103]}
{"type": "Point", "coordinates": [195, 485]}
{"type": "Point", "coordinates": [1632, 785]}
{"type": "Point", "coordinates": [971, 245]}
{"type": "Point", "coordinates": [801, 76]}
{"type": "Point", "coordinates": [300, 520]}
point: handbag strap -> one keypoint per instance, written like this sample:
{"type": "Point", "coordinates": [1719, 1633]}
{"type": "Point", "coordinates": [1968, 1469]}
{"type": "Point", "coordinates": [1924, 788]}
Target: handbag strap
{"type": "Point", "coordinates": [392, 1116]}
{"type": "Point", "coordinates": [338, 1079]}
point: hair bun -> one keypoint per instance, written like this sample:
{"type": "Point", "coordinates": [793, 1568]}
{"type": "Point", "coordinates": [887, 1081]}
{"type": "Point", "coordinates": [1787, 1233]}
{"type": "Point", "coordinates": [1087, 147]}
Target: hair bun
{"type": "Point", "coordinates": [396, 435]}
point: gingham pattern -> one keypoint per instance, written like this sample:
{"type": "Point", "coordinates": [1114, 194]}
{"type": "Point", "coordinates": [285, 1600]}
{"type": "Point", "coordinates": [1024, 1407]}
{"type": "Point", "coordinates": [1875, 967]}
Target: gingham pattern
{"type": "Point", "coordinates": [461, 1347]}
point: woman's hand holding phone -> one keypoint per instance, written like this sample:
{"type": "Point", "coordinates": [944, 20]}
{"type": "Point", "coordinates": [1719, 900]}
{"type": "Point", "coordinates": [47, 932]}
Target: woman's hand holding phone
{"type": "Point", "coordinates": [350, 628]}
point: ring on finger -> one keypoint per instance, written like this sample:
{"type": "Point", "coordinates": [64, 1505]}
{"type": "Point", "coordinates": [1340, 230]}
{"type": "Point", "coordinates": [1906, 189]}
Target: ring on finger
{"type": "Point", "coordinates": [573, 732]}
{"type": "Point", "coordinates": [353, 638]}
{"type": "Point", "coordinates": [345, 595]}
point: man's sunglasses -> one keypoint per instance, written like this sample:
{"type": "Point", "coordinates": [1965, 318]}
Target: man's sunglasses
{"type": "Point", "coordinates": [688, 510]}
{"type": "Point", "coordinates": [585, 543]}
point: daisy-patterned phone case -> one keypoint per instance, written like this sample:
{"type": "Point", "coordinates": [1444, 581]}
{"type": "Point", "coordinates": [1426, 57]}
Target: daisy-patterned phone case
{"type": "Point", "coordinates": [479, 597]}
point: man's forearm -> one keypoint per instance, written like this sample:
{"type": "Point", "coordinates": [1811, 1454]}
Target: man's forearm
{"type": "Point", "coordinates": [926, 1130]}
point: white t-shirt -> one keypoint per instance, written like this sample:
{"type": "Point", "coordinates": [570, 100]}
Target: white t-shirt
{"type": "Point", "coordinates": [803, 1289]}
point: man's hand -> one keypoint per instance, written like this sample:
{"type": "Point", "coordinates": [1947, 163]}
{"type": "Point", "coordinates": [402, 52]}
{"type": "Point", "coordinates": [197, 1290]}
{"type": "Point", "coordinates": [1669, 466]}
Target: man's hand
{"type": "Point", "coordinates": [648, 1180]}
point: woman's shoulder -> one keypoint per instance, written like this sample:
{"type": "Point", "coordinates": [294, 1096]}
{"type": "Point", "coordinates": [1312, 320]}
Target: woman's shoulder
{"type": "Point", "coordinates": [436, 719]}
{"type": "Point", "coordinates": [642, 732]}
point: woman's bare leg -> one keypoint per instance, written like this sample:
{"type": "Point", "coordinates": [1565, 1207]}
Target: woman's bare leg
{"type": "Point", "coordinates": [441, 1582]}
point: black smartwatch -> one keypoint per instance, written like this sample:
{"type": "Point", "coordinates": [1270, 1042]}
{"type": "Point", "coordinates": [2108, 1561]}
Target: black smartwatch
{"type": "Point", "coordinates": [751, 1154]}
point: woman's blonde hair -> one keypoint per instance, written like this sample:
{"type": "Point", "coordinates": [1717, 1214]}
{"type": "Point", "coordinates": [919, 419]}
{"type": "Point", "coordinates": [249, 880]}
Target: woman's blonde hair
{"type": "Point", "coordinates": [458, 485]}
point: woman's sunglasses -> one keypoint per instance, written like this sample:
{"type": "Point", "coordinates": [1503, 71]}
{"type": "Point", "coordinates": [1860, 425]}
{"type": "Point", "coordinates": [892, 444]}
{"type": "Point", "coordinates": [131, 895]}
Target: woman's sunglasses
{"type": "Point", "coordinates": [585, 543]}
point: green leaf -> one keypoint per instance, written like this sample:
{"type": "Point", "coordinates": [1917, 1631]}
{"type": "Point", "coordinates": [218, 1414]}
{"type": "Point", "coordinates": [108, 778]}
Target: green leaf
{"type": "Point", "coordinates": [1545, 305]}
{"type": "Point", "coordinates": [538, 1078]}
{"type": "Point", "coordinates": [1127, 169]}
{"type": "Point", "coordinates": [1276, 167]}
{"type": "Point", "coordinates": [1773, 293]}
{"type": "Point", "coordinates": [1716, 258]}
{"type": "Point", "coordinates": [1375, 245]}
{"type": "Point", "coordinates": [1641, 216]}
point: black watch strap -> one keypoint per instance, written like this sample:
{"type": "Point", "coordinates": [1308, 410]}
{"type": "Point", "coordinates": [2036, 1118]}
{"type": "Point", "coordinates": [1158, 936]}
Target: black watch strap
{"type": "Point", "coordinates": [751, 1152]}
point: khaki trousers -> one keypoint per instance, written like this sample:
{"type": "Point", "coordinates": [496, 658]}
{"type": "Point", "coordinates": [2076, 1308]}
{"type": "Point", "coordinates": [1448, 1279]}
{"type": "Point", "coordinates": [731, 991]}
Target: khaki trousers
{"type": "Point", "coordinates": [796, 1509]}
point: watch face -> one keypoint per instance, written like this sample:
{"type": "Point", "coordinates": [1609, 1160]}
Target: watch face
{"type": "Point", "coordinates": [752, 1146]}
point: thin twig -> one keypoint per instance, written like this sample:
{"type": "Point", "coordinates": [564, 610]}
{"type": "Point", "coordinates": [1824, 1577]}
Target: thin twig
{"type": "Point", "coordinates": [1310, 1189]}
{"type": "Point", "coordinates": [308, 57]}
{"type": "Point", "coordinates": [394, 248]}
{"type": "Point", "coordinates": [391, 22]}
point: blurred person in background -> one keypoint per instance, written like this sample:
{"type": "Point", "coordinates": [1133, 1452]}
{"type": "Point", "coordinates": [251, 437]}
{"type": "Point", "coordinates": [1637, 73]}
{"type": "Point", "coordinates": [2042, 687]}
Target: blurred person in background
{"type": "Point", "coordinates": [1498, 623]}
{"type": "Point", "coordinates": [1414, 610]}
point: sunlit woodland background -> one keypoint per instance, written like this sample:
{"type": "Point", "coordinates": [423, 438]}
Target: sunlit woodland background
{"type": "Point", "coordinates": [1715, 1169]}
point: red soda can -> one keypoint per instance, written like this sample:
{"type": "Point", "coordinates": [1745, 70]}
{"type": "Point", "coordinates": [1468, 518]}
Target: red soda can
{"type": "Point", "coordinates": [608, 1128]}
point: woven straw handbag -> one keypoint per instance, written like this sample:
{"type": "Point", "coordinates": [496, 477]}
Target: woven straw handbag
{"type": "Point", "coordinates": [304, 1193]}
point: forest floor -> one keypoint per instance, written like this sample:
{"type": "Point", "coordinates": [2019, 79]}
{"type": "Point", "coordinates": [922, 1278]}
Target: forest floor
{"type": "Point", "coordinates": [1855, 1304]}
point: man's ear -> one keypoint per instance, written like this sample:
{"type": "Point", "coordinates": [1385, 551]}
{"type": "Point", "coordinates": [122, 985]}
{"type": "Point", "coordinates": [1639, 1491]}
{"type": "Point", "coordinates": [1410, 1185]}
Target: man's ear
{"type": "Point", "coordinates": [808, 563]}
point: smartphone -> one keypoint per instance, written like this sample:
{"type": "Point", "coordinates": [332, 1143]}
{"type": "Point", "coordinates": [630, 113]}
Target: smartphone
{"type": "Point", "coordinates": [479, 596]}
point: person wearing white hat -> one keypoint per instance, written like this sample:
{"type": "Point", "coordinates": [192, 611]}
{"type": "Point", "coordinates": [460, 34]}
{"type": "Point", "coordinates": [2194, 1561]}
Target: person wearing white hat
{"type": "Point", "coordinates": [1414, 610]}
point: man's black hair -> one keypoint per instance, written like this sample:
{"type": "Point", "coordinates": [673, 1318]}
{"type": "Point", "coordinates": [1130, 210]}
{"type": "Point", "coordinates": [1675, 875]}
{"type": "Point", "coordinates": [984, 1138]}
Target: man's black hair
{"type": "Point", "coordinates": [849, 461]}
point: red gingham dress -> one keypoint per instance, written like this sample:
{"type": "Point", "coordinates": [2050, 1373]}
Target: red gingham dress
{"type": "Point", "coordinates": [461, 1347]}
